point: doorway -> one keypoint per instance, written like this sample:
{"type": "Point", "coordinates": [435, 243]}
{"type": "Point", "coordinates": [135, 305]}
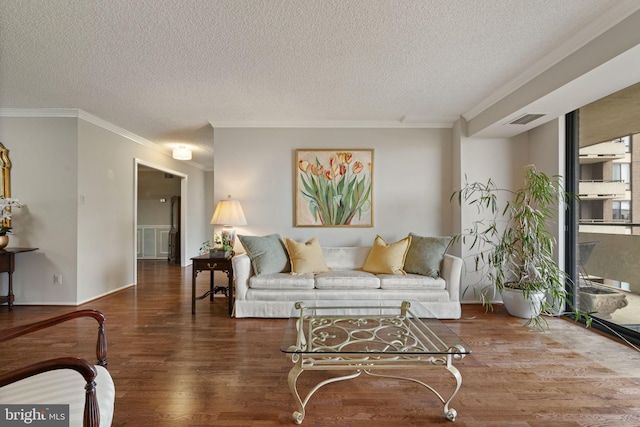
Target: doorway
{"type": "Point", "coordinates": [159, 226]}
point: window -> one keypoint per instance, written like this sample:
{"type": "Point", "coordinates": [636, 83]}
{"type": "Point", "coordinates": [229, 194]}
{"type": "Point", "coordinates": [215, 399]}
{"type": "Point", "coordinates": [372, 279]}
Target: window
{"type": "Point", "coordinates": [622, 172]}
{"type": "Point", "coordinates": [626, 140]}
{"type": "Point", "coordinates": [622, 210]}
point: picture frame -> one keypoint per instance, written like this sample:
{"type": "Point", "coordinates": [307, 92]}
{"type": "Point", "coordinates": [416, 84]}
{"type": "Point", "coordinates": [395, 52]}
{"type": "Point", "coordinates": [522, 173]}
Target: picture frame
{"type": "Point", "coordinates": [334, 187]}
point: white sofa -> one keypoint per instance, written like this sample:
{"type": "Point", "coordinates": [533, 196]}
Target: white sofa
{"type": "Point", "coordinates": [273, 295]}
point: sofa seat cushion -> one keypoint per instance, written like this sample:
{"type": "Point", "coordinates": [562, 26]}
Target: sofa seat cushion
{"type": "Point", "coordinates": [411, 282]}
{"type": "Point", "coordinates": [282, 281]}
{"type": "Point", "coordinates": [347, 279]}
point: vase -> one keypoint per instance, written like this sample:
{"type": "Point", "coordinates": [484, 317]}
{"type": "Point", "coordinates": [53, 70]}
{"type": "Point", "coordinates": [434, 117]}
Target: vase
{"type": "Point", "coordinates": [4, 241]}
{"type": "Point", "coordinates": [519, 306]}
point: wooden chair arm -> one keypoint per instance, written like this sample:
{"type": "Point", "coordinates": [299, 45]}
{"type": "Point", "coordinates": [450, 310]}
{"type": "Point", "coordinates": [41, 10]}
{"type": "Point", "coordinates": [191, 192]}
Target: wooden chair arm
{"type": "Point", "coordinates": [91, 414]}
{"type": "Point", "coordinates": [101, 345]}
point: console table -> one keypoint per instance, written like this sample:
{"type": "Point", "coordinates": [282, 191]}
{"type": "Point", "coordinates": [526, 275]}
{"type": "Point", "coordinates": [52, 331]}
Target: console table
{"type": "Point", "coordinates": [8, 265]}
{"type": "Point", "coordinates": [211, 263]}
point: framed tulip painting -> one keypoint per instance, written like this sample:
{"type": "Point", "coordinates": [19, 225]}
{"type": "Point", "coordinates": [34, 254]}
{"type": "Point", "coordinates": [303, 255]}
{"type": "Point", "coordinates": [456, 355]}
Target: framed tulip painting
{"type": "Point", "coordinates": [334, 188]}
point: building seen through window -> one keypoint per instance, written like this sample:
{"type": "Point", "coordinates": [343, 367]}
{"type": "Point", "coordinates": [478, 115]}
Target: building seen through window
{"type": "Point", "coordinates": [606, 185]}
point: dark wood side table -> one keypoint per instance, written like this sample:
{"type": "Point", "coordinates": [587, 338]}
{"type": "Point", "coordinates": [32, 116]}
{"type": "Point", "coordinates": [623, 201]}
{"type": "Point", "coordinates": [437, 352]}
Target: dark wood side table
{"type": "Point", "coordinates": [211, 263]}
{"type": "Point", "coordinates": [8, 265]}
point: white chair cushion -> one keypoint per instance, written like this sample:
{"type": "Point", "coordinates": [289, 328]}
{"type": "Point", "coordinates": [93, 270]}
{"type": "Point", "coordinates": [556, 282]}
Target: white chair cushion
{"type": "Point", "coordinates": [60, 387]}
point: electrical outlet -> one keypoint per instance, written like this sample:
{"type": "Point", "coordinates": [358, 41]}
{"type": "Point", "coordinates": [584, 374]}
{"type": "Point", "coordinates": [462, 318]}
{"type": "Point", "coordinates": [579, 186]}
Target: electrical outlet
{"type": "Point", "coordinates": [57, 279]}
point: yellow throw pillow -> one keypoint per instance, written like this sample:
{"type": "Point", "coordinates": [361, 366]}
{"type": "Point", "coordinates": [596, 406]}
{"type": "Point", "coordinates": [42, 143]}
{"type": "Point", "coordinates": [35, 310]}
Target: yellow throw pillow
{"type": "Point", "coordinates": [387, 258]}
{"type": "Point", "coordinates": [306, 257]}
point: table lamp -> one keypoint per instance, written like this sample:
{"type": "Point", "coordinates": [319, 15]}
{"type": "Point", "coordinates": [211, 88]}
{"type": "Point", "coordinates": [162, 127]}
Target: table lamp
{"type": "Point", "coordinates": [228, 213]}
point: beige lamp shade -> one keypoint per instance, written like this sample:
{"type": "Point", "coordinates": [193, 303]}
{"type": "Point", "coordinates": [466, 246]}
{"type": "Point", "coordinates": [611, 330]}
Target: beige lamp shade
{"type": "Point", "coordinates": [228, 212]}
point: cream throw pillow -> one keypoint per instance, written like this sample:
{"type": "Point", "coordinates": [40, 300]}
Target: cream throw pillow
{"type": "Point", "coordinates": [387, 258]}
{"type": "Point", "coordinates": [306, 257]}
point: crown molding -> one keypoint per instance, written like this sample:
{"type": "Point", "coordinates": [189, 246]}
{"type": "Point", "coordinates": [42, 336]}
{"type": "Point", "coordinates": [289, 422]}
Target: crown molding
{"type": "Point", "coordinates": [344, 124]}
{"type": "Point", "coordinates": [88, 117]}
{"type": "Point", "coordinates": [596, 28]}
{"type": "Point", "coordinates": [80, 114]}
{"type": "Point", "coordinates": [39, 112]}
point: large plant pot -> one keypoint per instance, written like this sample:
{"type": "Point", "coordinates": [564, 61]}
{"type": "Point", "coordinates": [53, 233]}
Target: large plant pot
{"type": "Point", "coordinates": [517, 306]}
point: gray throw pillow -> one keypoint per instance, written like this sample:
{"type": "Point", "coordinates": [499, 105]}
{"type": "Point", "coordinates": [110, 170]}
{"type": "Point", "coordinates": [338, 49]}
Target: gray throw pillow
{"type": "Point", "coordinates": [425, 255]}
{"type": "Point", "coordinates": [268, 254]}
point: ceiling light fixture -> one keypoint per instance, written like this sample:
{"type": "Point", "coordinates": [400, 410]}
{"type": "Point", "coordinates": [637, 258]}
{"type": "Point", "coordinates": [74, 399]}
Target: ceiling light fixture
{"type": "Point", "coordinates": [182, 153]}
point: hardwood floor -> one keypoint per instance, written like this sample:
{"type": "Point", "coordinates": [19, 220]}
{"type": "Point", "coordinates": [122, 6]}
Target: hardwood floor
{"type": "Point", "coordinates": [174, 369]}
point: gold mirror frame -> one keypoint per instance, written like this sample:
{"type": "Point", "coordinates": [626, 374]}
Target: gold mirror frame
{"type": "Point", "coordinates": [5, 177]}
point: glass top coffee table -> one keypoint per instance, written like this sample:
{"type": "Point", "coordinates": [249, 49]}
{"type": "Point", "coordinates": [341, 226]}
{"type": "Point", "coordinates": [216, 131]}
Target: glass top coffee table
{"type": "Point", "coordinates": [369, 337]}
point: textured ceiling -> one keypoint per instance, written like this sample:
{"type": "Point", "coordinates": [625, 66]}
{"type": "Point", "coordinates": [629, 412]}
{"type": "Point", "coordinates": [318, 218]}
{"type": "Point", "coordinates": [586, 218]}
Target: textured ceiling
{"type": "Point", "coordinates": [168, 70]}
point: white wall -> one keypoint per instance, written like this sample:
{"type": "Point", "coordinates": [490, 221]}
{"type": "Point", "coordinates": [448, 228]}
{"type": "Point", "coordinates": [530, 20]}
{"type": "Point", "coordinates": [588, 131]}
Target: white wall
{"type": "Point", "coordinates": [412, 180]}
{"type": "Point", "coordinates": [502, 160]}
{"type": "Point", "coordinates": [547, 152]}
{"type": "Point", "coordinates": [44, 176]}
{"type": "Point", "coordinates": [77, 180]}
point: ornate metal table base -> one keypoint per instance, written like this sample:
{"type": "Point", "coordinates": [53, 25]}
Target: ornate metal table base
{"type": "Point", "coordinates": [367, 367]}
{"type": "Point", "coordinates": [369, 344]}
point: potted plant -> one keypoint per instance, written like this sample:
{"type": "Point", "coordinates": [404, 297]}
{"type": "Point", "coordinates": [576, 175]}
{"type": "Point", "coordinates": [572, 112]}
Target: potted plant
{"type": "Point", "coordinates": [513, 247]}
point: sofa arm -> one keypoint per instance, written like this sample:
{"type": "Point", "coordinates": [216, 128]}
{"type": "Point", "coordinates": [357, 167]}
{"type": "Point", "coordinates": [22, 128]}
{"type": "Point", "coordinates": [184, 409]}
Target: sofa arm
{"type": "Point", "coordinates": [241, 274]}
{"type": "Point", "coordinates": [451, 272]}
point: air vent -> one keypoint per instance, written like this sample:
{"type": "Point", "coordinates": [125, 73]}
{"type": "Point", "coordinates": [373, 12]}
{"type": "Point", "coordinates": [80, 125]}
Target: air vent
{"type": "Point", "coordinates": [527, 118]}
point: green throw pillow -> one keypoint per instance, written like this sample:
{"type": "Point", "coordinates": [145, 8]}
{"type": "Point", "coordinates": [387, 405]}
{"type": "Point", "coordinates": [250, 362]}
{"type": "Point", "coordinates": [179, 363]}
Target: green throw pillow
{"type": "Point", "coordinates": [425, 255]}
{"type": "Point", "coordinates": [267, 254]}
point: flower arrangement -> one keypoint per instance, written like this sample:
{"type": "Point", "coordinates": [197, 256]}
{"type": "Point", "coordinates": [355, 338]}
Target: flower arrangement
{"type": "Point", "coordinates": [6, 203]}
{"type": "Point", "coordinates": [336, 192]}
{"type": "Point", "coordinates": [220, 243]}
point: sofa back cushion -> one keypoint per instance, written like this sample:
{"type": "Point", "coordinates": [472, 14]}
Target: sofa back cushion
{"type": "Point", "coordinates": [387, 258]}
{"type": "Point", "coordinates": [425, 255]}
{"type": "Point", "coordinates": [306, 257]}
{"type": "Point", "coordinates": [267, 254]}
{"type": "Point", "coordinates": [346, 258]}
